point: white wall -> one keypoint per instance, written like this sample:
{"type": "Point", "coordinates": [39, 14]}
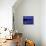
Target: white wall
{"type": "Point", "coordinates": [43, 22]}
{"type": "Point", "coordinates": [6, 13]}
{"type": "Point", "coordinates": [29, 8]}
